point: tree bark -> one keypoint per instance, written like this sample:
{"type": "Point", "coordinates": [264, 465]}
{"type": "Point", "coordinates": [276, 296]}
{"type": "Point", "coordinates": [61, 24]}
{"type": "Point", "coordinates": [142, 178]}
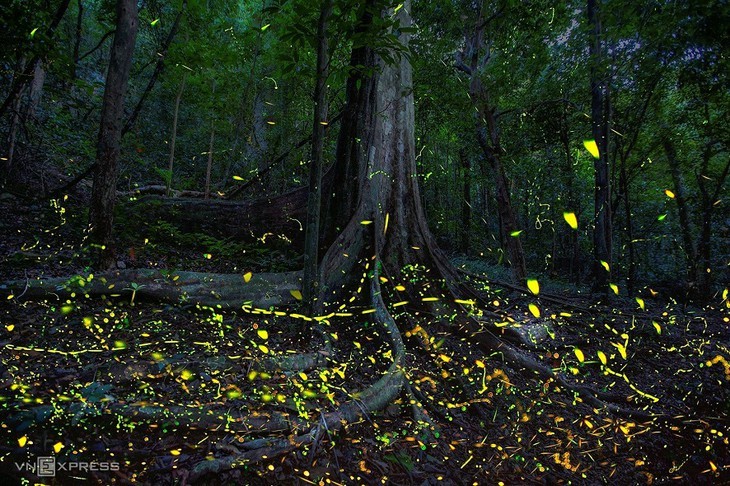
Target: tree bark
{"type": "Point", "coordinates": [602, 231]}
{"type": "Point", "coordinates": [709, 200]}
{"type": "Point", "coordinates": [77, 39]}
{"type": "Point", "coordinates": [103, 195]}
{"type": "Point", "coordinates": [173, 136]}
{"type": "Point", "coordinates": [312, 236]}
{"type": "Point", "coordinates": [158, 70]}
{"type": "Point", "coordinates": [624, 189]}
{"type": "Point", "coordinates": [19, 82]}
{"type": "Point", "coordinates": [343, 190]}
{"type": "Point", "coordinates": [388, 224]}
{"type": "Point", "coordinates": [685, 220]}
{"type": "Point", "coordinates": [488, 137]}
{"type": "Point", "coordinates": [14, 123]}
{"type": "Point", "coordinates": [465, 202]}
{"type": "Point", "coordinates": [209, 166]}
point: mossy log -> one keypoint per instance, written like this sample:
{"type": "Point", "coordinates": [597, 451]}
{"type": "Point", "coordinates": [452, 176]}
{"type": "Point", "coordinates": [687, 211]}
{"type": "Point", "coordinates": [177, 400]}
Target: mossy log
{"type": "Point", "coordinates": [224, 290]}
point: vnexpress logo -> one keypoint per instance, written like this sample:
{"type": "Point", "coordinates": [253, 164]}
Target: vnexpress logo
{"type": "Point", "coordinates": [45, 467]}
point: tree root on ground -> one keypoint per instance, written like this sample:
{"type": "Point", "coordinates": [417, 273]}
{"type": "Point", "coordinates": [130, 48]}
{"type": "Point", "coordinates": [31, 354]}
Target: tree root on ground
{"type": "Point", "coordinates": [229, 291]}
{"type": "Point", "coordinates": [373, 398]}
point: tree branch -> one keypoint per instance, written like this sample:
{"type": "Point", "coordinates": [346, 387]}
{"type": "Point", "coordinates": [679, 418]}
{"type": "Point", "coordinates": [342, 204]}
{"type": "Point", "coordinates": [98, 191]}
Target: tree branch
{"type": "Point", "coordinates": [97, 46]}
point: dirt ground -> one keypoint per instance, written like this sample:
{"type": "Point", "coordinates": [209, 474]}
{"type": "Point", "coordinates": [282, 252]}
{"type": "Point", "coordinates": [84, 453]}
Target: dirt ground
{"type": "Point", "coordinates": [150, 390]}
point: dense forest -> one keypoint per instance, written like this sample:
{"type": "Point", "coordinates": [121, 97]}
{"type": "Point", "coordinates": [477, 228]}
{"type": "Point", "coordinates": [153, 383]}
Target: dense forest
{"type": "Point", "coordinates": [364, 242]}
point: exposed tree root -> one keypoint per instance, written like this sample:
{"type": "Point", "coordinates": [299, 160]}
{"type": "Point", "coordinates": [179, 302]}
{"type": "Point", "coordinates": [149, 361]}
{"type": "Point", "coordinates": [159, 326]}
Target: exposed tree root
{"type": "Point", "coordinates": [373, 398]}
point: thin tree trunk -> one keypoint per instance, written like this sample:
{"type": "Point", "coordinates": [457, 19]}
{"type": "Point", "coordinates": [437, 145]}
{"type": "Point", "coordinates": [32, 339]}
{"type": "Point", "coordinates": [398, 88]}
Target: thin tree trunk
{"type": "Point", "coordinates": [209, 165]}
{"type": "Point", "coordinates": [103, 194]}
{"type": "Point", "coordinates": [624, 189]}
{"type": "Point", "coordinates": [14, 123]}
{"type": "Point", "coordinates": [210, 158]}
{"type": "Point", "coordinates": [602, 231]}
{"type": "Point", "coordinates": [489, 141]}
{"type": "Point", "coordinates": [19, 82]}
{"type": "Point", "coordinates": [77, 39]}
{"type": "Point", "coordinates": [158, 70]}
{"type": "Point", "coordinates": [708, 201]}
{"type": "Point", "coordinates": [173, 137]}
{"type": "Point", "coordinates": [685, 221]}
{"type": "Point", "coordinates": [36, 90]}
{"type": "Point", "coordinates": [310, 287]}
{"type": "Point", "coordinates": [465, 202]}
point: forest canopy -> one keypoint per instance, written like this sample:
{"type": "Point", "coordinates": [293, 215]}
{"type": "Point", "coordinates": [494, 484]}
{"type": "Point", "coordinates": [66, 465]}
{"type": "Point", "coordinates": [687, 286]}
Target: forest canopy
{"type": "Point", "coordinates": [364, 241]}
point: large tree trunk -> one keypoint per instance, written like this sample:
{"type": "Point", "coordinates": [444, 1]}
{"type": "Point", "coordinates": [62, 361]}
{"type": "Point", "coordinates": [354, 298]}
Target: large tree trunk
{"type": "Point", "coordinates": [350, 153]}
{"type": "Point", "coordinates": [602, 231]}
{"type": "Point", "coordinates": [388, 222]}
{"type": "Point", "coordinates": [103, 195]}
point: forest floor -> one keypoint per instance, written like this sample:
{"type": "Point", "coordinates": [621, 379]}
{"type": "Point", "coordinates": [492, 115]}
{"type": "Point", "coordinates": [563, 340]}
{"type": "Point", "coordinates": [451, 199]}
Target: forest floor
{"type": "Point", "coordinates": [154, 389]}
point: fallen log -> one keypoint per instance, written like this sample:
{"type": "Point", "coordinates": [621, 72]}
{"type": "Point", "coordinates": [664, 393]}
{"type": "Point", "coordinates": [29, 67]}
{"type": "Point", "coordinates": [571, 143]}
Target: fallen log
{"type": "Point", "coordinates": [225, 290]}
{"type": "Point", "coordinates": [160, 190]}
{"type": "Point", "coordinates": [280, 217]}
